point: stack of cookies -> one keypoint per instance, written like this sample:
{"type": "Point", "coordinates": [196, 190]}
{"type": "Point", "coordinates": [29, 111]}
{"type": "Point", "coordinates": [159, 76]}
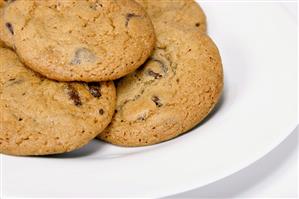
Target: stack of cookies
{"type": "Point", "coordinates": [131, 73]}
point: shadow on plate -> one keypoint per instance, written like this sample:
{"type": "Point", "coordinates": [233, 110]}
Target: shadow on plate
{"type": "Point", "coordinates": [94, 146]}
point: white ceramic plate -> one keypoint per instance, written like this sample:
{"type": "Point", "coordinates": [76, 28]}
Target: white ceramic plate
{"type": "Point", "coordinates": [258, 110]}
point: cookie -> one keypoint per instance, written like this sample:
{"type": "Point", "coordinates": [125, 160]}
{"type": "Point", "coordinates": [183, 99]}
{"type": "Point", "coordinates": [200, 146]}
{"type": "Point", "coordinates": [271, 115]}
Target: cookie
{"type": "Point", "coordinates": [41, 116]}
{"type": "Point", "coordinates": [186, 13]}
{"type": "Point", "coordinates": [171, 93]}
{"type": "Point", "coordinates": [87, 40]}
{"type": "Point", "coordinates": [2, 44]}
{"type": "Point", "coordinates": [5, 35]}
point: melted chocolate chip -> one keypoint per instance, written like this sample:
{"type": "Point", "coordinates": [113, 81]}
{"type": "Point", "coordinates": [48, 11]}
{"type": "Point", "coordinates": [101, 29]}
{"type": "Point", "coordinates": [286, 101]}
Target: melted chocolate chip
{"type": "Point", "coordinates": [157, 101]}
{"type": "Point", "coordinates": [197, 24]}
{"type": "Point", "coordinates": [162, 65]}
{"type": "Point", "coordinates": [83, 55]}
{"type": "Point", "coordinates": [10, 28]}
{"type": "Point", "coordinates": [94, 89]}
{"type": "Point", "coordinates": [129, 16]}
{"type": "Point", "coordinates": [101, 111]}
{"type": "Point", "coordinates": [154, 74]}
{"type": "Point", "coordinates": [74, 95]}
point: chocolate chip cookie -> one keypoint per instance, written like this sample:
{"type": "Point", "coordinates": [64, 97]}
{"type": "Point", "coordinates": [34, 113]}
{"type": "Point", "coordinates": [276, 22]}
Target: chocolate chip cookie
{"type": "Point", "coordinates": [87, 40]}
{"type": "Point", "coordinates": [172, 92]}
{"type": "Point", "coordinates": [5, 29]}
{"type": "Point", "coordinates": [41, 116]}
{"type": "Point", "coordinates": [186, 13]}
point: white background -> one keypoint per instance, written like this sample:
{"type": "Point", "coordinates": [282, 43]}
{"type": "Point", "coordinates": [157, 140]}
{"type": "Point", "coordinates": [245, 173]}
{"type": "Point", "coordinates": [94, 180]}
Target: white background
{"type": "Point", "coordinates": [275, 175]}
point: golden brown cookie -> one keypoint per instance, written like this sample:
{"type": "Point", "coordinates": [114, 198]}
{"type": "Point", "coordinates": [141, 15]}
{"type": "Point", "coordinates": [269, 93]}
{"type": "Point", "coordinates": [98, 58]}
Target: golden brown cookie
{"type": "Point", "coordinates": [86, 40]}
{"type": "Point", "coordinates": [171, 93]}
{"type": "Point", "coordinates": [5, 34]}
{"type": "Point", "coordinates": [185, 13]}
{"type": "Point", "coordinates": [1, 4]}
{"type": "Point", "coordinates": [41, 116]}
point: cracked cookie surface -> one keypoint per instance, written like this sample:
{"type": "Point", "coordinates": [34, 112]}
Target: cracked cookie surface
{"type": "Point", "coordinates": [172, 92]}
{"type": "Point", "coordinates": [70, 40]}
{"type": "Point", "coordinates": [41, 116]}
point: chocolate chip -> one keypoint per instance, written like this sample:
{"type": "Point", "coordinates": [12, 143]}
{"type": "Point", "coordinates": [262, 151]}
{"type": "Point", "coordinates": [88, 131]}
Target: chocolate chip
{"type": "Point", "coordinates": [93, 6]}
{"type": "Point", "coordinates": [74, 95]}
{"type": "Point", "coordinates": [197, 24]}
{"type": "Point", "coordinates": [14, 81]}
{"type": "Point", "coordinates": [162, 65]}
{"type": "Point", "coordinates": [154, 74]}
{"type": "Point", "coordinates": [10, 28]}
{"type": "Point", "coordinates": [94, 89]}
{"type": "Point", "coordinates": [83, 55]}
{"type": "Point", "coordinates": [101, 111]}
{"type": "Point", "coordinates": [20, 119]}
{"type": "Point", "coordinates": [157, 101]}
{"type": "Point", "coordinates": [129, 16]}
